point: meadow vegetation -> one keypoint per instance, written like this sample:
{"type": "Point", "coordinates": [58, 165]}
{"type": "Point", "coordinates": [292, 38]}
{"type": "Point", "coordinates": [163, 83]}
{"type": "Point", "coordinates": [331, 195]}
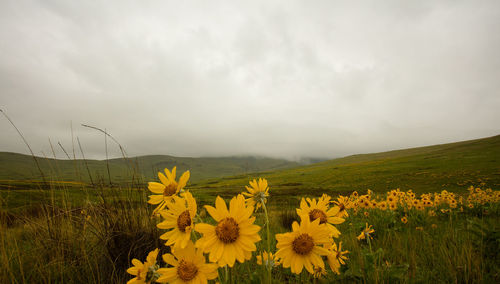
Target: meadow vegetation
{"type": "Point", "coordinates": [74, 232]}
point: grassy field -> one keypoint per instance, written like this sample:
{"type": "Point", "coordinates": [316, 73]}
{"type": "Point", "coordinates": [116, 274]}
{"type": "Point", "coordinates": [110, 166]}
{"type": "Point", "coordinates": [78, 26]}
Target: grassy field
{"type": "Point", "coordinates": [452, 167]}
{"type": "Point", "coordinates": [70, 232]}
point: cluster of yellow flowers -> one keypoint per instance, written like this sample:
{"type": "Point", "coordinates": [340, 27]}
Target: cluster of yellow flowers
{"type": "Point", "coordinates": [313, 238]}
{"type": "Point", "coordinates": [407, 200]}
{"type": "Point", "coordinates": [233, 235]}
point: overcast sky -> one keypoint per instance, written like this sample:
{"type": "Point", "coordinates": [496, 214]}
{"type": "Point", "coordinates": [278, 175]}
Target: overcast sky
{"type": "Point", "coordinates": [282, 79]}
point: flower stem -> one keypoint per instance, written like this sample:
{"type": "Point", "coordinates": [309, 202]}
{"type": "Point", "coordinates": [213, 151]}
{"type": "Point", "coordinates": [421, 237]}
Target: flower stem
{"type": "Point", "coordinates": [268, 242]}
{"type": "Point", "coordinates": [369, 243]}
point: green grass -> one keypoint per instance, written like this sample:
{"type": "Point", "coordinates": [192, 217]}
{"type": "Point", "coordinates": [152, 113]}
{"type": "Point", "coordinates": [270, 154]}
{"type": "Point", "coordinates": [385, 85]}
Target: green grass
{"type": "Point", "coordinates": [452, 167]}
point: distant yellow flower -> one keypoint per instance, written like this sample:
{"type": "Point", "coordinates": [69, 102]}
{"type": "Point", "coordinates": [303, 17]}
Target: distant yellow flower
{"type": "Point", "coordinates": [336, 257]}
{"type": "Point", "coordinates": [393, 193]}
{"type": "Point", "coordinates": [189, 266]}
{"type": "Point", "coordinates": [258, 192]}
{"type": "Point", "coordinates": [366, 232]}
{"type": "Point", "coordinates": [319, 210]}
{"type": "Point", "coordinates": [303, 246]}
{"type": "Point", "coordinates": [144, 272]}
{"type": "Point", "coordinates": [404, 219]}
{"type": "Point", "coordinates": [234, 236]}
{"type": "Point", "coordinates": [434, 226]}
{"type": "Point", "coordinates": [393, 206]}
{"type": "Point", "coordinates": [343, 203]}
{"type": "Point", "coordinates": [382, 205]}
{"type": "Point", "coordinates": [366, 213]}
{"type": "Point", "coordinates": [167, 188]}
{"type": "Point", "coordinates": [419, 228]}
{"type": "Point", "coordinates": [178, 218]}
{"type": "Point", "coordinates": [269, 259]}
{"type": "Point", "coordinates": [366, 203]}
{"type": "Point", "coordinates": [391, 199]}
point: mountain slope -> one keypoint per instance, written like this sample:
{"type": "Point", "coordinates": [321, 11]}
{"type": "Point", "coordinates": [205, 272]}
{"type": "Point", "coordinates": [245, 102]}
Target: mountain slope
{"type": "Point", "coordinates": [15, 166]}
{"type": "Point", "coordinates": [448, 166]}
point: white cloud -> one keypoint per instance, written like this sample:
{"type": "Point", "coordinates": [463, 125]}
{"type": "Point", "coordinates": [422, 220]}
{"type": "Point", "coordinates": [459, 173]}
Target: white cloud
{"type": "Point", "coordinates": [283, 79]}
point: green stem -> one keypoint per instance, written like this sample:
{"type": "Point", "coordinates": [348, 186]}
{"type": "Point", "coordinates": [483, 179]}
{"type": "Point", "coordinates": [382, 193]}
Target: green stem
{"type": "Point", "coordinates": [231, 275]}
{"type": "Point", "coordinates": [268, 242]}
{"type": "Point", "coordinates": [369, 243]}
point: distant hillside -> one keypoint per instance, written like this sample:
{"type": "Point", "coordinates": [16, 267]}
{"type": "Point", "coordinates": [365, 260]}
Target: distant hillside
{"type": "Point", "coordinates": [15, 166]}
{"type": "Point", "coordinates": [451, 166]}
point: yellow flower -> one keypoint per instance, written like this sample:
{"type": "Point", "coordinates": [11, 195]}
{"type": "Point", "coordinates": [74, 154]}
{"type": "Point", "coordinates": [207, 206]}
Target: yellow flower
{"type": "Point", "coordinates": [391, 199]}
{"type": "Point", "coordinates": [419, 228]}
{"type": "Point", "coordinates": [189, 266]}
{"type": "Point", "coordinates": [393, 206]}
{"type": "Point", "coordinates": [319, 210]}
{"type": "Point", "coordinates": [269, 259]}
{"type": "Point", "coordinates": [336, 257]}
{"type": "Point", "coordinates": [179, 218]}
{"type": "Point", "coordinates": [234, 236]}
{"type": "Point", "coordinates": [366, 232]}
{"type": "Point", "coordinates": [382, 205]}
{"type": "Point", "coordinates": [303, 246]}
{"type": "Point", "coordinates": [258, 192]}
{"type": "Point", "coordinates": [144, 272]}
{"type": "Point", "coordinates": [319, 272]}
{"type": "Point", "coordinates": [343, 203]}
{"type": "Point", "coordinates": [366, 203]}
{"type": "Point", "coordinates": [404, 219]}
{"type": "Point", "coordinates": [366, 213]}
{"type": "Point", "coordinates": [168, 188]}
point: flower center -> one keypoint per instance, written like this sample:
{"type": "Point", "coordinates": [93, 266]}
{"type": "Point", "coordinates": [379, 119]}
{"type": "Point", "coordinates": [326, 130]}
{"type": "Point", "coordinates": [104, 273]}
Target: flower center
{"type": "Point", "coordinates": [186, 270]}
{"type": "Point", "coordinates": [315, 214]}
{"type": "Point", "coordinates": [184, 221]}
{"type": "Point", "coordinates": [303, 244]}
{"type": "Point", "coordinates": [170, 189]}
{"type": "Point", "coordinates": [259, 196]}
{"type": "Point", "coordinates": [227, 230]}
{"type": "Point", "coordinates": [341, 207]}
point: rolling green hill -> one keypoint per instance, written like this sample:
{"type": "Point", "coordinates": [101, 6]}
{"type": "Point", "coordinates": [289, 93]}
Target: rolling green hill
{"type": "Point", "coordinates": [18, 167]}
{"type": "Point", "coordinates": [453, 166]}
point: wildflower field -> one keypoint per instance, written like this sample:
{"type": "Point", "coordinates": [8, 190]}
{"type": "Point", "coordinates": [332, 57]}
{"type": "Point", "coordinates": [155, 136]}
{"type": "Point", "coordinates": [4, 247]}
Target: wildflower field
{"type": "Point", "coordinates": [425, 215]}
{"type": "Point", "coordinates": [166, 234]}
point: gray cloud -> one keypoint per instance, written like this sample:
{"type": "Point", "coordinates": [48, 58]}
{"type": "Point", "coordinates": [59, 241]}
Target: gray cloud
{"type": "Point", "coordinates": [283, 79]}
